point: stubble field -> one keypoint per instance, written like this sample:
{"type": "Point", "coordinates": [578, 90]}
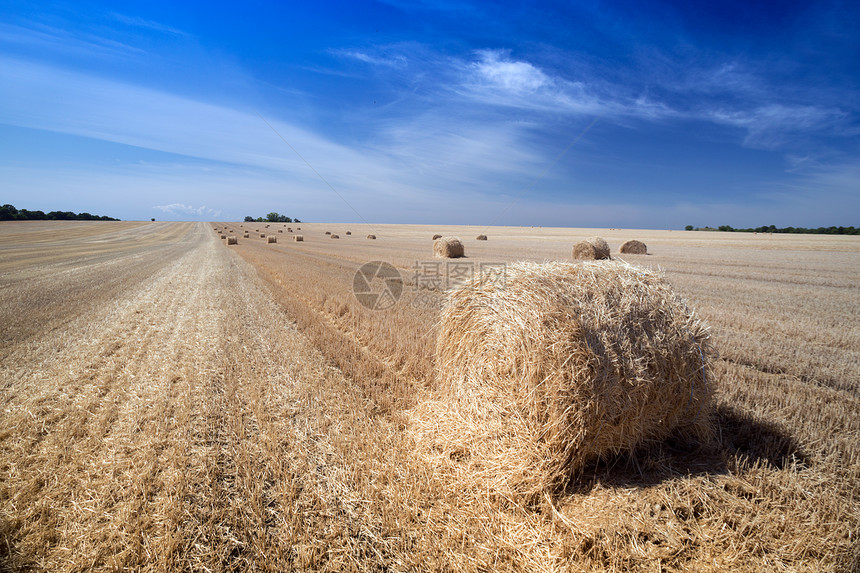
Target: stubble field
{"type": "Point", "coordinates": [170, 403]}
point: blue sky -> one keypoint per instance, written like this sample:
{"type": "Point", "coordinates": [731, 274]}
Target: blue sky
{"type": "Point", "coordinates": [592, 114]}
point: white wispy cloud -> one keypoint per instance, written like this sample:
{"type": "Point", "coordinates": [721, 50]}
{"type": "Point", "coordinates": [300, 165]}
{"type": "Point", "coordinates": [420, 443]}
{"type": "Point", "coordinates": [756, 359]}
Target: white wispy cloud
{"type": "Point", "coordinates": [181, 209]}
{"type": "Point", "coordinates": [773, 125]}
{"type": "Point", "coordinates": [138, 22]}
{"type": "Point", "coordinates": [392, 61]}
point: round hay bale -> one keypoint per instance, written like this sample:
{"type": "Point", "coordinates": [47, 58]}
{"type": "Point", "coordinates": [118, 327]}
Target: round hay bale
{"type": "Point", "coordinates": [262, 235]}
{"type": "Point", "coordinates": [223, 236]}
{"type": "Point", "coordinates": [437, 237]}
{"type": "Point", "coordinates": [247, 235]}
{"type": "Point", "coordinates": [298, 238]}
{"type": "Point", "coordinates": [298, 228]}
{"type": "Point", "coordinates": [233, 240]}
{"type": "Point", "coordinates": [335, 236]}
{"type": "Point", "coordinates": [563, 364]}
{"type": "Point", "coordinates": [328, 232]}
{"type": "Point", "coordinates": [593, 249]}
{"type": "Point", "coordinates": [280, 230]}
{"type": "Point", "coordinates": [633, 247]}
{"type": "Point", "coordinates": [448, 247]}
{"type": "Point", "coordinates": [349, 232]}
{"type": "Point", "coordinates": [289, 230]}
{"type": "Point", "coordinates": [371, 236]}
{"type": "Point", "coordinates": [271, 239]}
{"type": "Point", "coordinates": [481, 238]}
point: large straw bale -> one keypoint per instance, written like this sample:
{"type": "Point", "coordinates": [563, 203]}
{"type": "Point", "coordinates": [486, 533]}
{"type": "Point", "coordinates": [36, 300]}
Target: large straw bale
{"type": "Point", "coordinates": [298, 238]}
{"type": "Point", "coordinates": [223, 236]}
{"type": "Point", "coordinates": [633, 247]}
{"type": "Point", "coordinates": [232, 240]}
{"type": "Point", "coordinates": [272, 239]}
{"type": "Point", "coordinates": [594, 248]}
{"type": "Point", "coordinates": [448, 247]}
{"type": "Point", "coordinates": [247, 235]}
{"type": "Point", "coordinates": [564, 364]}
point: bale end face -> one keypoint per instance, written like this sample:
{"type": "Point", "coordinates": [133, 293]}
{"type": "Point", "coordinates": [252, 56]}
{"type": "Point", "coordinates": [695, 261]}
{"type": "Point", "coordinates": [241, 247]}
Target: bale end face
{"type": "Point", "coordinates": [233, 240]}
{"type": "Point", "coordinates": [448, 247]}
{"type": "Point", "coordinates": [246, 235]}
{"type": "Point", "coordinates": [566, 363]}
{"type": "Point", "coordinates": [633, 247]}
{"type": "Point", "coordinates": [271, 239]}
{"type": "Point", "coordinates": [593, 249]}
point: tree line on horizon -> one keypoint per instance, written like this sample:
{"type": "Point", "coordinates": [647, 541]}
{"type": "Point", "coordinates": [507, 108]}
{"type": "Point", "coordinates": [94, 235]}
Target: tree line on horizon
{"type": "Point", "coordinates": [10, 213]}
{"type": "Point", "coordinates": [774, 229]}
{"type": "Point", "coordinates": [272, 217]}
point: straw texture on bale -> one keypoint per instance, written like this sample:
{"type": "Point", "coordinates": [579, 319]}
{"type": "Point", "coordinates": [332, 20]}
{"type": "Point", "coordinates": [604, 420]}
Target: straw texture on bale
{"type": "Point", "coordinates": [633, 247]}
{"type": "Point", "coordinates": [298, 238]}
{"type": "Point", "coordinates": [594, 248]}
{"type": "Point", "coordinates": [437, 237]}
{"type": "Point", "coordinates": [481, 238]}
{"type": "Point", "coordinates": [335, 236]}
{"type": "Point", "coordinates": [233, 240]}
{"type": "Point", "coordinates": [271, 239]}
{"type": "Point", "coordinates": [564, 364]}
{"type": "Point", "coordinates": [371, 236]}
{"type": "Point", "coordinates": [448, 247]}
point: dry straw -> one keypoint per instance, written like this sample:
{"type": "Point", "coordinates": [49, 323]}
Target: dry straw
{"type": "Point", "coordinates": [371, 236]}
{"type": "Point", "coordinates": [298, 238]}
{"type": "Point", "coordinates": [594, 248]}
{"type": "Point", "coordinates": [233, 240]}
{"type": "Point", "coordinates": [272, 239]}
{"type": "Point", "coordinates": [481, 238]}
{"type": "Point", "coordinates": [633, 247]}
{"type": "Point", "coordinates": [565, 363]}
{"type": "Point", "coordinates": [448, 247]}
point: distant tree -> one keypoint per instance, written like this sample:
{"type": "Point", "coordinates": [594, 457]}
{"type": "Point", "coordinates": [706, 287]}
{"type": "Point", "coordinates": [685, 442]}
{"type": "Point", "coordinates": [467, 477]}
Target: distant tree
{"type": "Point", "coordinates": [260, 219]}
{"type": "Point", "coordinates": [8, 212]}
{"type": "Point", "coordinates": [688, 228]}
{"type": "Point", "coordinates": [153, 219]}
{"type": "Point", "coordinates": [249, 219]}
{"type": "Point", "coordinates": [296, 221]}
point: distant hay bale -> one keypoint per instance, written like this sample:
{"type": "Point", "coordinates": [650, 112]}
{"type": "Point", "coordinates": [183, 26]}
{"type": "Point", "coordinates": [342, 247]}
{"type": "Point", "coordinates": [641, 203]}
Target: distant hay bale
{"type": "Point", "coordinates": [298, 238]}
{"type": "Point", "coordinates": [594, 248]}
{"type": "Point", "coordinates": [271, 239]}
{"type": "Point", "coordinates": [349, 232]}
{"type": "Point", "coordinates": [448, 247]}
{"type": "Point", "coordinates": [371, 236]}
{"type": "Point", "coordinates": [280, 230]}
{"type": "Point", "coordinates": [262, 235]}
{"type": "Point", "coordinates": [564, 364]}
{"type": "Point", "coordinates": [633, 247]}
{"type": "Point", "coordinates": [335, 236]}
{"type": "Point", "coordinates": [481, 238]}
{"type": "Point", "coordinates": [233, 240]}
{"type": "Point", "coordinates": [289, 229]}
{"type": "Point", "coordinates": [223, 236]}
{"type": "Point", "coordinates": [298, 228]}
{"type": "Point", "coordinates": [328, 232]}
{"type": "Point", "coordinates": [437, 237]}
{"type": "Point", "coordinates": [247, 235]}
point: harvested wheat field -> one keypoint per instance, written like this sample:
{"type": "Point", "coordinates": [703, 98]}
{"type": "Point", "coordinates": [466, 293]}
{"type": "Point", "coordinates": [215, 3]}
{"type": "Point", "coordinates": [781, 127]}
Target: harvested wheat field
{"type": "Point", "coordinates": [172, 404]}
